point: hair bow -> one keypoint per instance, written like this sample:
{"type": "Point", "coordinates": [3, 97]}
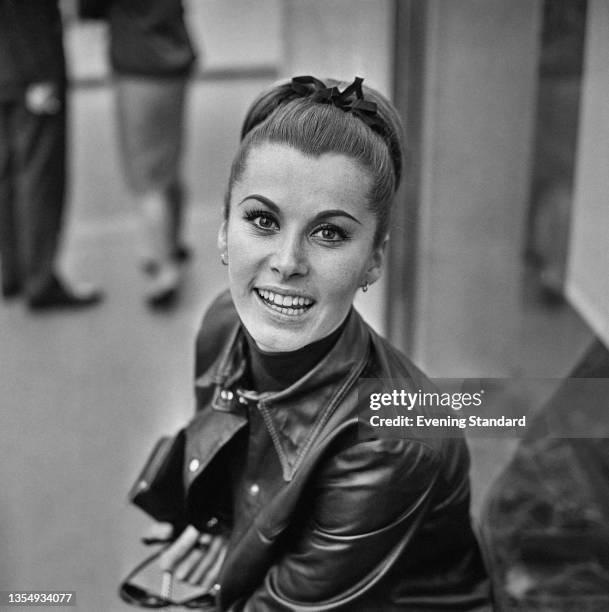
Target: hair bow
{"type": "Point", "coordinates": [350, 100]}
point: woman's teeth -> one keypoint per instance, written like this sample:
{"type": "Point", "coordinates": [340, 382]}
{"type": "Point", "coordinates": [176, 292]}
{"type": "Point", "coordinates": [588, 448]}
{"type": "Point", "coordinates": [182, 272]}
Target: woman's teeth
{"type": "Point", "coordinates": [286, 304]}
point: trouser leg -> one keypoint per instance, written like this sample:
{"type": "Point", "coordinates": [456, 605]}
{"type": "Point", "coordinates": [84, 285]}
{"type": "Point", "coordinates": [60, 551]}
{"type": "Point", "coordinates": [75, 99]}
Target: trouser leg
{"type": "Point", "coordinates": [155, 221]}
{"type": "Point", "coordinates": [175, 201]}
{"type": "Point", "coordinates": [9, 247]}
{"type": "Point", "coordinates": [150, 115]}
{"type": "Point", "coordinates": [41, 167]}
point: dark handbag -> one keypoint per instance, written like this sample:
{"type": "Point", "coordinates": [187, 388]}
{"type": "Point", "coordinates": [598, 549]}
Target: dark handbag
{"type": "Point", "coordinates": [159, 489]}
{"type": "Point", "coordinates": [141, 597]}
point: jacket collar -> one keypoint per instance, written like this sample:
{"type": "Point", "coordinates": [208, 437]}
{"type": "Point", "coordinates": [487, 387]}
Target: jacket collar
{"type": "Point", "coordinates": [294, 416]}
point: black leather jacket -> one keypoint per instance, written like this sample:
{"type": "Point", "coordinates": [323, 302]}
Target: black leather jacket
{"type": "Point", "coordinates": [339, 521]}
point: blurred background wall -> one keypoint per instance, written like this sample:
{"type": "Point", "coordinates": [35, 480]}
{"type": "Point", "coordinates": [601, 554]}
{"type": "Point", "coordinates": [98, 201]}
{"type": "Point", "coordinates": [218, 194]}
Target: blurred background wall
{"type": "Point", "coordinates": [588, 267]}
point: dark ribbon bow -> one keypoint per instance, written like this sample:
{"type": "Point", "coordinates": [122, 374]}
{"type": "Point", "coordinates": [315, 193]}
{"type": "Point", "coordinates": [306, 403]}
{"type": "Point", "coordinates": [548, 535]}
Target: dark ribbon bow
{"type": "Point", "coordinates": [350, 100]}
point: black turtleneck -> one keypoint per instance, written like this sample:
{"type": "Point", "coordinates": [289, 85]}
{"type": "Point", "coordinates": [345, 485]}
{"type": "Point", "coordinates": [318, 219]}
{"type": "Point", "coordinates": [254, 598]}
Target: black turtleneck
{"type": "Point", "coordinates": [277, 371]}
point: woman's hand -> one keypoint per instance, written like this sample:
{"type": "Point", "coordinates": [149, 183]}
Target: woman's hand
{"type": "Point", "coordinates": [195, 557]}
{"type": "Point", "coordinates": [43, 98]}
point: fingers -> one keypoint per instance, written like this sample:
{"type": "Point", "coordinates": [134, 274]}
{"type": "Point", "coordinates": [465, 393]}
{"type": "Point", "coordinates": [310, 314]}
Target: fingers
{"type": "Point", "coordinates": [42, 98]}
{"type": "Point", "coordinates": [192, 560]}
{"type": "Point", "coordinates": [157, 533]}
{"type": "Point", "coordinates": [195, 558]}
{"type": "Point", "coordinates": [209, 566]}
{"type": "Point", "coordinates": [179, 549]}
{"type": "Point", "coordinates": [214, 570]}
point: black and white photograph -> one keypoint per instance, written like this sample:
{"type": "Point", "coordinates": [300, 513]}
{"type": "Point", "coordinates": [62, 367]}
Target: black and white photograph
{"type": "Point", "coordinates": [305, 305]}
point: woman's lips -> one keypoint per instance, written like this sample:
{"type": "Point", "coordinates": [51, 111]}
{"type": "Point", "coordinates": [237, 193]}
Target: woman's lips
{"type": "Point", "coordinates": [291, 305]}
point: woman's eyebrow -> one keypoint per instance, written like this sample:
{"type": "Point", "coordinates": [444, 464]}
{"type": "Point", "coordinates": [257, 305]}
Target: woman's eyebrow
{"type": "Point", "coordinates": [335, 213]}
{"type": "Point", "coordinates": [325, 214]}
{"type": "Point", "coordinates": [262, 200]}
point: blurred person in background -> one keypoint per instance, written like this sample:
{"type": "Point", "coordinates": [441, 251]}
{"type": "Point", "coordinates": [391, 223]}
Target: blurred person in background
{"type": "Point", "coordinates": [33, 120]}
{"type": "Point", "coordinates": [151, 55]}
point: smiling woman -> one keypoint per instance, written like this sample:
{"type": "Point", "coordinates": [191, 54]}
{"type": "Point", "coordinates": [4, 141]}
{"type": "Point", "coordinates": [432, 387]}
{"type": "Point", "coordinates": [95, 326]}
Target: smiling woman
{"type": "Point", "coordinates": [299, 232]}
{"type": "Point", "coordinates": [290, 507]}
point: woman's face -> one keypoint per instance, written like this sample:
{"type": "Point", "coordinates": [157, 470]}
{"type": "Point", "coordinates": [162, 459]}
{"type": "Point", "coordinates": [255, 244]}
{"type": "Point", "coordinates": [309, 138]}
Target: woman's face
{"type": "Point", "coordinates": [300, 241]}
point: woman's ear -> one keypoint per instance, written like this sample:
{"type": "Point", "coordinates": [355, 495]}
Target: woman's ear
{"type": "Point", "coordinates": [376, 262]}
{"type": "Point", "coordinates": [222, 240]}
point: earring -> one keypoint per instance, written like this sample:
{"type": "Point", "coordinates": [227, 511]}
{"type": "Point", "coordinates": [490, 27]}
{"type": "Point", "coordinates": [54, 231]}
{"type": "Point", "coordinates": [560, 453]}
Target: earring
{"type": "Point", "coordinates": [224, 258]}
{"type": "Point", "coordinates": [365, 287]}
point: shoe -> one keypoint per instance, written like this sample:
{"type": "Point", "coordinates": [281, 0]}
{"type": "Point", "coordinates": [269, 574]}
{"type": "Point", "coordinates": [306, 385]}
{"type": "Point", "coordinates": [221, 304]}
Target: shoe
{"type": "Point", "coordinates": [11, 289]}
{"type": "Point", "coordinates": [182, 254]}
{"type": "Point", "coordinates": [163, 300]}
{"type": "Point", "coordinates": [551, 290]}
{"type": "Point", "coordinates": [57, 295]}
{"type": "Point", "coordinates": [164, 286]}
{"type": "Point", "coordinates": [551, 296]}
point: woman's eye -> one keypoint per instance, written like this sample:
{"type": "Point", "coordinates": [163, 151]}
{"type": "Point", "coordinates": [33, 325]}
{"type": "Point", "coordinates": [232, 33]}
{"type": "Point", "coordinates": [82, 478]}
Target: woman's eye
{"type": "Point", "coordinates": [262, 220]}
{"type": "Point", "coordinates": [265, 222]}
{"type": "Point", "coordinates": [331, 233]}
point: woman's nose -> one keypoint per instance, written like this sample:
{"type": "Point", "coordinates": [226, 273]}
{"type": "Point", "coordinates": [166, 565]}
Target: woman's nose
{"type": "Point", "coordinates": [289, 259]}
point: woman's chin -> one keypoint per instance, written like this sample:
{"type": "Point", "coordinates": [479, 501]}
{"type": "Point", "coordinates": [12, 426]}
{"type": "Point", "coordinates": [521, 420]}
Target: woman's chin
{"type": "Point", "coordinates": [277, 341]}
{"type": "Point", "coordinates": [275, 329]}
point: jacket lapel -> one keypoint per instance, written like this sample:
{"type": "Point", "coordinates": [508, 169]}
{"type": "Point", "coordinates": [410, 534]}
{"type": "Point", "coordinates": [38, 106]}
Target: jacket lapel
{"type": "Point", "coordinates": [206, 434]}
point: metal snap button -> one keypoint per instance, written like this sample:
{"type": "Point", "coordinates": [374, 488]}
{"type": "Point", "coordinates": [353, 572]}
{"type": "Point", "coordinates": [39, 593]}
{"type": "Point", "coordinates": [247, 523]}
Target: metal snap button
{"type": "Point", "coordinates": [216, 588]}
{"type": "Point", "coordinates": [254, 489]}
{"type": "Point", "coordinates": [194, 464]}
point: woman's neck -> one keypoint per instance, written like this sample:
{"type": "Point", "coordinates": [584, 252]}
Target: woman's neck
{"type": "Point", "coordinates": [277, 371]}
